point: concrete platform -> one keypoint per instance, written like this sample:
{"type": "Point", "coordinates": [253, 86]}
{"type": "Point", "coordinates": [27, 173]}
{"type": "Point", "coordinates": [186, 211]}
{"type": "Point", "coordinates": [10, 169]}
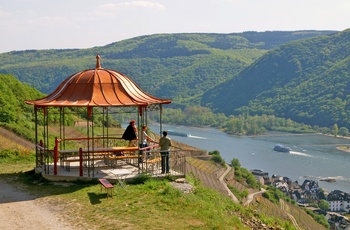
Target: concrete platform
{"type": "Point", "coordinates": [101, 170]}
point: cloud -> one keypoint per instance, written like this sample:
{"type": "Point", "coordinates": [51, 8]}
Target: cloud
{"type": "Point", "coordinates": [114, 9]}
{"type": "Point", "coordinates": [134, 4]}
{"type": "Point", "coordinates": [5, 14]}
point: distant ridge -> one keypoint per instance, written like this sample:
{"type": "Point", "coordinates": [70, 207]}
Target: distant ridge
{"type": "Point", "coordinates": [305, 80]}
{"type": "Point", "coordinates": [284, 73]}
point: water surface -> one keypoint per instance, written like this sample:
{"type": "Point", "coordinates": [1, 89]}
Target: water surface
{"type": "Point", "coordinates": [313, 156]}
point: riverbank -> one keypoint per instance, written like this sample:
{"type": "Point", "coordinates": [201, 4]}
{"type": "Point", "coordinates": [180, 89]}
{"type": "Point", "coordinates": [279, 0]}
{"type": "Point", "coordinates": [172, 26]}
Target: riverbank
{"type": "Point", "coordinates": [344, 148]}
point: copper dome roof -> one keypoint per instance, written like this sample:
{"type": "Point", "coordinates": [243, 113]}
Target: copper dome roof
{"type": "Point", "coordinates": [98, 87]}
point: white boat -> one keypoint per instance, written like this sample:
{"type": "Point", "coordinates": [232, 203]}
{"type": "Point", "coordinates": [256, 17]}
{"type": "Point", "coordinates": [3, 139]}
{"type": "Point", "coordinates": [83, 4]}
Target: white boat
{"type": "Point", "coordinates": [170, 132]}
{"type": "Point", "coordinates": [281, 148]}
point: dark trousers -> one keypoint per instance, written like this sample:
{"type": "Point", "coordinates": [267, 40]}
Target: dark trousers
{"type": "Point", "coordinates": [165, 162]}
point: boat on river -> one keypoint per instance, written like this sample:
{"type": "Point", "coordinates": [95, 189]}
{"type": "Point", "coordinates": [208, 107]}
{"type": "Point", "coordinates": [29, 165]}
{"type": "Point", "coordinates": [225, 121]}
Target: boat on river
{"type": "Point", "coordinates": [328, 179]}
{"type": "Point", "coordinates": [281, 148]}
{"type": "Point", "coordinates": [170, 132]}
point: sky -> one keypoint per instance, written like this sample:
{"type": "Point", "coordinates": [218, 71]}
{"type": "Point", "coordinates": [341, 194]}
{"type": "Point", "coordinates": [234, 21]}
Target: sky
{"type": "Point", "coordinates": [65, 24]}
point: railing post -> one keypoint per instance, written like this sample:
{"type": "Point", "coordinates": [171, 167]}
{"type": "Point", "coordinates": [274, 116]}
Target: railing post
{"type": "Point", "coordinates": [41, 154]}
{"type": "Point", "coordinates": [80, 162]}
{"type": "Point", "coordinates": [55, 157]}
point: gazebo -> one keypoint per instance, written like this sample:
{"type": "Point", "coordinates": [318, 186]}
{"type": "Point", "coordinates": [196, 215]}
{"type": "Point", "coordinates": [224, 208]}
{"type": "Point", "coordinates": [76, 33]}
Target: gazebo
{"type": "Point", "coordinates": [93, 93]}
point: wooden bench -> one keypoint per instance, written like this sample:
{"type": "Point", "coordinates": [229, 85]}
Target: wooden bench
{"type": "Point", "coordinates": [112, 160]}
{"type": "Point", "coordinates": [95, 154]}
{"type": "Point", "coordinates": [108, 187]}
{"type": "Point", "coordinates": [65, 162]}
{"type": "Point", "coordinates": [154, 160]}
{"type": "Point", "coordinates": [152, 165]}
{"type": "Point", "coordinates": [123, 157]}
{"type": "Point", "coordinates": [76, 159]}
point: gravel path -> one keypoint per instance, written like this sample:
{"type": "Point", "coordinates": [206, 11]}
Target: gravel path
{"type": "Point", "coordinates": [18, 210]}
{"type": "Point", "coordinates": [230, 194]}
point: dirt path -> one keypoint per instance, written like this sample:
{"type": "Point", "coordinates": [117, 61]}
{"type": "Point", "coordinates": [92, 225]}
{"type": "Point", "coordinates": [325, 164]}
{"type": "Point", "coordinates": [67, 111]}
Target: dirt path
{"type": "Point", "coordinates": [283, 205]}
{"type": "Point", "coordinates": [18, 211]}
{"type": "Point", "coordinates": [230, 194]}
{"type": "Point", "coordinates": [251, 196]}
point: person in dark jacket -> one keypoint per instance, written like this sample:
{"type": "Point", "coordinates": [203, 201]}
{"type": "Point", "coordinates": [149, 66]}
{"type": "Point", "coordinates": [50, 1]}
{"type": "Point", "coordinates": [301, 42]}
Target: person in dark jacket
{"type": "Point", "coordinates": [130, 133]}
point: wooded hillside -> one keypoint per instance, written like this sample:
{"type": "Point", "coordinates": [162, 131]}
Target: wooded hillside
{"type": "Point", "coordinates": [177, 66]}
{"type": "Point", "coordinates": [14, 113]}
{"type": "Point", "coordinates": [307, 81]}
{"type": "Point", "coordinates": [302, 75]}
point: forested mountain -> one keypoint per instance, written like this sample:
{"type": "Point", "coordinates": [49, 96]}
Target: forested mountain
{"type": "Point", "coordinates": [307, 81]}
{"type": "Point", "coordinates": [177, 66]}
{"type": "Point", "coordinates": [14, 113]}
{"type": "Point", "coordinates": [301, 75]}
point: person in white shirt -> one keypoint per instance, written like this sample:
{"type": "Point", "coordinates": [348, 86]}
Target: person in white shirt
{"type": "Point", "coordinates": [145, 137]}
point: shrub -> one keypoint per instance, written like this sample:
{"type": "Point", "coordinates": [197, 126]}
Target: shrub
{"type": "Point", "coordinates": [218, 159]}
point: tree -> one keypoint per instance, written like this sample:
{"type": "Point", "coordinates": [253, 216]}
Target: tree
{"type": "Point", "coordinates": [343, 131]}
{"type": "Point", "coordinates": [324, 205]}
{"type": "Point", "coordinates": [235, 163]}
{"type": "Point", "coordinates": [335, 130]}
{"type": "Point", "coordinates": [215, 152]}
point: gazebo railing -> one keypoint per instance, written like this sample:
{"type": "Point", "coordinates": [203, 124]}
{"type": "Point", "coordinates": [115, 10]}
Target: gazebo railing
{"type": "Point", "coordinates": [147, 160]}
{"type": "Point", "coordinates": [44, 158]}
{"type": "Point", "coordinates": [153, 158]}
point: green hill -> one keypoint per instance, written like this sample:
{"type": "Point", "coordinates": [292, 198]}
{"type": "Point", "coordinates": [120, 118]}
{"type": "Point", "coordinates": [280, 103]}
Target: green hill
{"type": "Point", "coordinates": [14, 113]}
{"type": "Point", "coordinates": [177, 66]}
{"type": "Point", "coordinates": [301, 75]}
{"type": "Point", "coordinates": [307, 81]}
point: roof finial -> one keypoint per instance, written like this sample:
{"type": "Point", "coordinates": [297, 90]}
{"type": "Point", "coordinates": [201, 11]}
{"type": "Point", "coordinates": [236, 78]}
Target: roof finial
{"type": "Point", "coordinates": [98, 64]}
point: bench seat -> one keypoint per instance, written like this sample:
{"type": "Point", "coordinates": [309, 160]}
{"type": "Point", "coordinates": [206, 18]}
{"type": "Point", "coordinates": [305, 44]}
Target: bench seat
{"type": "Point", "coordinates": [154, 160]}
{"type": "Point", "coordinates": [108, 187]}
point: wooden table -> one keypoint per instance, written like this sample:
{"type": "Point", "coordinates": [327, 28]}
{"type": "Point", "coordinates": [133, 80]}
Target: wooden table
{"type": "Point", "coordinates": [108, 154]}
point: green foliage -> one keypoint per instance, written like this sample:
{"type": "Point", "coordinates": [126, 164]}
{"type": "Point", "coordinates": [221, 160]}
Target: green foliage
{"type": "Point", "coordinates": [170, 66]}
{"type": "Point", "coordinates": [235, 163]}
{"type": "Point", "coordinates": [140, 179]}
{"type": "Point", "coordinates": [244, 175]}
{"type": "Point", "coordinates": [343, 131]}
{"type": "Point", "coordinates": [14, 156]}
{"type": "Point", "coordinates": [241, 125]}
{"type": "Point", "coordinates": [324, 205]}
{"type": "Point", "coordinates": [335, 130]}
{"type": "Point", "coordinates": [215, 152]}
{"type": "Point", "coordinates": [306, 81]}
{"type": "Point", "coordinates": [7, 153]}
{"type": "Point", "coordinates": [218, 159]}
{"type": "Point", "coordinates": [192, 116]}
{"type": "Point", "coordinates": [240, 195]}
{"type": "Point", "coordinates": [273, 194]}
{"type": "Point", "coordinates": [321, 219]}
{"type": "Point", "coordinates": [177, 66]}
{"type": "Point", "coordinates": [14, 113]}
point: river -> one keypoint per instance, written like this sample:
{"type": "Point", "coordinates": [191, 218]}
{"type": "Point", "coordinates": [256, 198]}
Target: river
{"type": "Point", "coordinates": [313, 156]}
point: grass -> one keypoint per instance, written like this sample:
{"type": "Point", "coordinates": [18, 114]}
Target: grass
{"type": "Point", "coordinates": [203, 166]}
{"type": "Point", "coordinates": [154, 204]}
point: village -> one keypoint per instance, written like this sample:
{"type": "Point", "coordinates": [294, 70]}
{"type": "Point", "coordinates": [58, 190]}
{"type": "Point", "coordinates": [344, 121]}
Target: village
{"type": "Point", "coordinates": [309, 194]}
